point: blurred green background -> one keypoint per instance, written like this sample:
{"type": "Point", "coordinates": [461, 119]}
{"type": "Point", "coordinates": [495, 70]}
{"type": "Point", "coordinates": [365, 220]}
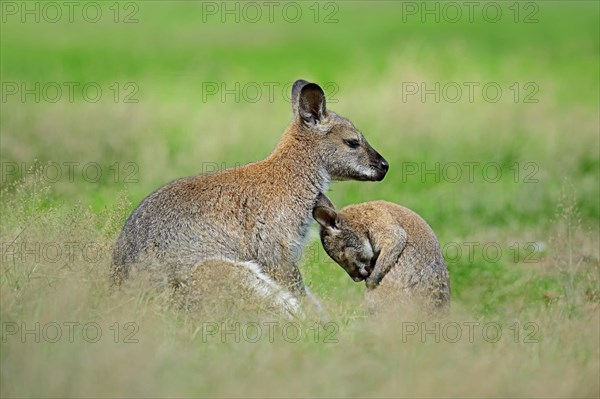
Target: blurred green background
{"type": "Point", "coordinates": [189, 86]}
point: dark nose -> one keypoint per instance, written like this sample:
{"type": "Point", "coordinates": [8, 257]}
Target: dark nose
{"type": "Point", "coordinates": [384, 165]}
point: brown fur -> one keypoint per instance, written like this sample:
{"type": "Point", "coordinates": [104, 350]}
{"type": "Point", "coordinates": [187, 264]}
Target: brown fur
{"type": "Point", "coordinates": [219, 290]}
{"type": "Point", "coordinates": [391, 247]}
{"type": "Point", "coordinates": [259, 212]}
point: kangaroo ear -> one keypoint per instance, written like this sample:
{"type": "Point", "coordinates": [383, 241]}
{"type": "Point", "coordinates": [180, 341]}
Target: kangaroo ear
{"type": "Point", "coordinates": [323, 200]}
{"type": "Point", "coordinates": [326, 217]}
{"type": "Point", "coordinates": [311, 104]}
{"type": "Point", "coordinates": [298, 85]}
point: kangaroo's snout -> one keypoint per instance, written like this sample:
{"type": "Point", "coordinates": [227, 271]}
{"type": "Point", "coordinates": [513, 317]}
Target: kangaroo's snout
{"type": "Point", "coordinates": [381, 167]}
{"type": "Point", "coordinates": [378, 165]}
{"type": "Point", "coordinates": [361, 273]}
{"type": "Point", "coordinates": [384, 165]}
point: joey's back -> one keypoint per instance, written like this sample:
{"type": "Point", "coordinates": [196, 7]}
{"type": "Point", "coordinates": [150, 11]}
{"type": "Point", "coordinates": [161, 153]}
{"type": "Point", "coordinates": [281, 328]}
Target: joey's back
{"type": "Point", "coordinates": [381, 218]}
{"type": "Point", "coordinates": [389, 246]}
{"type": "Point", "coordinates": [418, 276]}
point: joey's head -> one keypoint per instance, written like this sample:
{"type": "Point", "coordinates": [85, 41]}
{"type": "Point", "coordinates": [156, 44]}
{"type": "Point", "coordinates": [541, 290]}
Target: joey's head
{"type": "Point", "coordinates": [343, 243]}
{"type": "Point", "coordinates": [345, 152]}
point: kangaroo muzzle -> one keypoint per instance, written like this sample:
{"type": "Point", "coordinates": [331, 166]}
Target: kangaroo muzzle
{"type": "Point", "coordinates": [381, 166]}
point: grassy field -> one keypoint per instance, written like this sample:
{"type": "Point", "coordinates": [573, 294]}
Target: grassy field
{"type": "Point", "coordinates": [489, 120]}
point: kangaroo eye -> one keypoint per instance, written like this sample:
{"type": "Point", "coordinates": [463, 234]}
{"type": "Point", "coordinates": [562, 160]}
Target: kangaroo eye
{"type": "Point", "coordinates": [352, 143]}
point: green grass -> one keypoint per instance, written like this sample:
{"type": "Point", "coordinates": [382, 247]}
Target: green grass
{"type": "Point", "coordinates": [548, 195]}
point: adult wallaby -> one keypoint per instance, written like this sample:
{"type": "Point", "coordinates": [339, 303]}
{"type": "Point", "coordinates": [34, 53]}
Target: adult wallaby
{"type": "Point", "coordinates": [389, 246]}
{"type": "Point", "coordinates": [257, 213]}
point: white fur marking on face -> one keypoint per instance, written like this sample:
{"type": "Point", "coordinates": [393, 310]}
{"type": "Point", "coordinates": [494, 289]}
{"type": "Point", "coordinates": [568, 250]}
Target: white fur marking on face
{"type": "Point", "coordinates": [366, 172]}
